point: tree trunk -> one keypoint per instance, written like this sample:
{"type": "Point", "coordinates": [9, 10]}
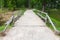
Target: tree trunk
{"type": "Point", "coordinates": [29, 4]}
{"type": "Point", "coordinates": [44, 5]}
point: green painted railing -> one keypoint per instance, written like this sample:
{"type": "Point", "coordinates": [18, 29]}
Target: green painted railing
{"type": "Point", "coordinates": [47, 18]}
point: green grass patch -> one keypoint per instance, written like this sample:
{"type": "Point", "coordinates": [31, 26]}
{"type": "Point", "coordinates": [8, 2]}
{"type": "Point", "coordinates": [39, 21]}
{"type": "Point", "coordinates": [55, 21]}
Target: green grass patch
{"type": "Point", "coordinates": [44, 15]}
{"type": "Point", "coordinates": [3, 27]}
{"type": "Point", "coordinates": [57, 23]}
{"type": "Point", "coordinates": [54, 13]}
{"type": "Point", "coordinates": [3, 10]}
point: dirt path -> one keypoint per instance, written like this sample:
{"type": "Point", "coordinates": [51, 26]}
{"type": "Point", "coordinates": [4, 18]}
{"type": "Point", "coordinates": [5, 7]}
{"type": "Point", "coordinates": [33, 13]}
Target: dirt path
{"type": "Point", "coordinates": [30, 27]}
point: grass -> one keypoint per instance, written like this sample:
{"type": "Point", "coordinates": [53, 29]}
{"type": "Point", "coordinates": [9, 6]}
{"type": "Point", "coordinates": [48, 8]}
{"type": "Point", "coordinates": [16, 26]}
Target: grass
{"type": "Point", "coordinates": [57, 23]}
{"type": "Point", "coordinates": [3, 10]}
{"type": "Point", "coordinates": [54, 13]}
{"type": "Point", "coordinates": [3, 27]}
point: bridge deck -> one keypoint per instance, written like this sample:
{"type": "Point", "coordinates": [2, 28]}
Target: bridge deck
{"type": "Point", "coordinates": [30, 27]}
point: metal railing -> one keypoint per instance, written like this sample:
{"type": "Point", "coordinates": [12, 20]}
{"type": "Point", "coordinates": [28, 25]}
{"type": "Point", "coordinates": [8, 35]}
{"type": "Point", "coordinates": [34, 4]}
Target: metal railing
{"type": "Point", "coordinates": [47, 18]}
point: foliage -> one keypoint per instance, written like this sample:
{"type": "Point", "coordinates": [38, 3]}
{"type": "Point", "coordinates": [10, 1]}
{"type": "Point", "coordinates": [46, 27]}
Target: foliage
{"type": "Point", "coordinates": [36, 4]}
{"type": "Point", "coordinates": [14, 4]}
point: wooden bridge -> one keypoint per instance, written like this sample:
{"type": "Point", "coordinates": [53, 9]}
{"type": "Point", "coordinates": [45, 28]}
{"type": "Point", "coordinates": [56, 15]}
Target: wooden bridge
{"type": "Point", "coordinates": [30, 27]}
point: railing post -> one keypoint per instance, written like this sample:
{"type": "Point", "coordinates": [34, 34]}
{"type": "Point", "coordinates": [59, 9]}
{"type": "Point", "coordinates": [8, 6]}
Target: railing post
{"type": "Point", "coordinates": [46, 19]}
{"type": "Point", "coordinates": [13, 19]}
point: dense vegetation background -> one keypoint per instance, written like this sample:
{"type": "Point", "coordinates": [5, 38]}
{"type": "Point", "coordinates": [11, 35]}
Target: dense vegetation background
{"type": "Point", "coordinates": [15, 4]}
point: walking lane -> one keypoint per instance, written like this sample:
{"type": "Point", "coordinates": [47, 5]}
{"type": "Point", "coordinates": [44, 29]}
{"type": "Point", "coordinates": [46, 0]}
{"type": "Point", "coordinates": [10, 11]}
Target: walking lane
{"type": "Point", "coordinates": [30, 27]}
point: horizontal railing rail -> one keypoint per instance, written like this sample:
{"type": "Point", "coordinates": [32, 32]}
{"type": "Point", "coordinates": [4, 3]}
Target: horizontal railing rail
{"type": "Point", "coordinates": [12, 19]}
{"type": "Point", "coordinates": [49, 19]}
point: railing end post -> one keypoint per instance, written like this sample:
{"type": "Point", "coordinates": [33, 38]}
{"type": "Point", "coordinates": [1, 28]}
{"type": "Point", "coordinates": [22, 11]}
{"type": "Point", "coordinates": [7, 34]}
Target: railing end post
{"type": "Point", "coordinates": [57, 32]}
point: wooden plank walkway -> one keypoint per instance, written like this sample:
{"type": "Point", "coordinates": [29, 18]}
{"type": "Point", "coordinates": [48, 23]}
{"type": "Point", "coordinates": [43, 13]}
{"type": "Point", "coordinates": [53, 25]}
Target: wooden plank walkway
{"type": "Point", "coordinates": [30, 27]}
